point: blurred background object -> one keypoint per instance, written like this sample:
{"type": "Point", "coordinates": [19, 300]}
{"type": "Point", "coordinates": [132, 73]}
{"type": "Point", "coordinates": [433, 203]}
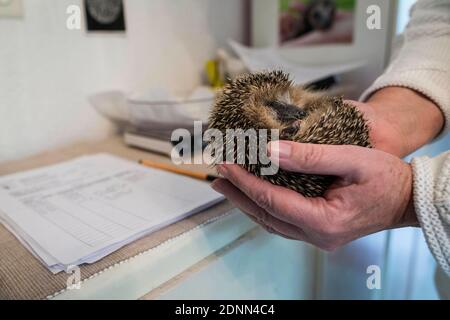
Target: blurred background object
{"type": "Point", "coordinates": [11, 8]}
{"type": "Point", "coordinates": [372, 46]}
{"type": "Point", "coordinates": [310, 22]}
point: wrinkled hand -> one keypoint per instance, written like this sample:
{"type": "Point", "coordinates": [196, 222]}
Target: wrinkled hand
{"type": "Point", "coordinates": [372, 192]}
{"type": "Point", "coordinates": [401, 120]}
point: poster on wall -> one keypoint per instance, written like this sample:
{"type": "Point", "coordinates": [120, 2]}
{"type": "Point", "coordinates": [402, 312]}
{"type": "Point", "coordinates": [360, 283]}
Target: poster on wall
{"type": "Point", "coordinates": [315, 22]}
{"type": "Point", "coordinates": [105, 15]}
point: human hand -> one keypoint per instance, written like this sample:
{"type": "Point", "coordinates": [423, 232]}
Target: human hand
{"type": "Point", "coordinates": [401, 120]}
{"type": "Point", "coordinates": [372, 192]}
{"type": "Point", "coordinates": [384, 134]}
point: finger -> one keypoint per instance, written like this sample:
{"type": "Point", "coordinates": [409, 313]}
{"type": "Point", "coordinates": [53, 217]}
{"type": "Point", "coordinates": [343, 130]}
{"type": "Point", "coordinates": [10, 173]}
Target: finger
{"type": "Point", "coordinates": [257, 214]}
{"type": "Point", "coordinates": [282, 203]}
{"type": "Point", "coordinates": [267, 228]}
{"type": "Point", "coordinates": [336, 160]}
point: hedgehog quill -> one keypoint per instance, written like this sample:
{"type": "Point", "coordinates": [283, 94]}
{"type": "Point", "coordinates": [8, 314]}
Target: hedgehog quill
{"type": "Point", "coordinates": [269, 100]}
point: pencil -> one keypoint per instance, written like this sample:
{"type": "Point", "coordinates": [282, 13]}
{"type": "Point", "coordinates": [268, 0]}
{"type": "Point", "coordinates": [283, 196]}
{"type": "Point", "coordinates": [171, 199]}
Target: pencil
{"type": "Point", "coordinates": [178, 170]}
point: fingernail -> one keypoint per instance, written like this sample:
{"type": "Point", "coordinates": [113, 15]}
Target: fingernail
{"type": "Point", "coordinates": [279, 149]}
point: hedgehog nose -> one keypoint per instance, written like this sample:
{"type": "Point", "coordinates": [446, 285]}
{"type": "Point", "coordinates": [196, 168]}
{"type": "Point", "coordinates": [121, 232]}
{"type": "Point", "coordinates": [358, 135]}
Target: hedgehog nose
{"type": "Point", "coordinates": [285, 111]}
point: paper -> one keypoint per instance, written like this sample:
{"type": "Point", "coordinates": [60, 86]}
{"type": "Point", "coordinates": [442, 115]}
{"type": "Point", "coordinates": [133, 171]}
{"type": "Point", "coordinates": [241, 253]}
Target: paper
{"type": "Point", "coordinates": [84, 209]}
{"type": "Point", "coordinates": [264, 59]}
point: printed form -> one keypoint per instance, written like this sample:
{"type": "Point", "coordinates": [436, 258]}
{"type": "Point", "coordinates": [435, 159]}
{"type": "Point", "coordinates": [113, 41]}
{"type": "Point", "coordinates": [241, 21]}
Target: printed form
{"type": "Point", "coordinates": [82, 210]}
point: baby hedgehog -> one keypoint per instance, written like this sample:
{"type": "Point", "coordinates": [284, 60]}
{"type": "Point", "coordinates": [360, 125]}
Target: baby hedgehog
{"type": "Point", "coordinates": [269, 100]}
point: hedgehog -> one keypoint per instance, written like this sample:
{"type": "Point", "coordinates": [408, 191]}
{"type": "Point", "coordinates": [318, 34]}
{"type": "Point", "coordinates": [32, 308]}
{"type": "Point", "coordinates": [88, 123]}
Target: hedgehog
{"type": "Point", "coordinates": [270, 100]}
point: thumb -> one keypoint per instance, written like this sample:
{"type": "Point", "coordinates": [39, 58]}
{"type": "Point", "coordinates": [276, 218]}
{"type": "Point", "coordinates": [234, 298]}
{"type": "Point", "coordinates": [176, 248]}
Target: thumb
{"type": "Point", "coordinates": [336, 160]}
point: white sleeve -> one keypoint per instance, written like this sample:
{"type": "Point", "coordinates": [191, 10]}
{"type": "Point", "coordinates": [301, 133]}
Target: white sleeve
{"type": "Point", "coordinates": [422, 61]}
{"type": "Point", "coordinates": [431, 185]}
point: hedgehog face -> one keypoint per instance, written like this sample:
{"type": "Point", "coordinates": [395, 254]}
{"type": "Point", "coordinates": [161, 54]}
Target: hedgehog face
{"type": "Point", "coordinates": [270, 101]}
{"type": "Point", "coordinates": [288, 115]}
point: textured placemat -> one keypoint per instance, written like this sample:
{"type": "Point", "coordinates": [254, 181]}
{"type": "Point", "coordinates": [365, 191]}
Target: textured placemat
{"type": "Point", "coordinates": [22, 276]}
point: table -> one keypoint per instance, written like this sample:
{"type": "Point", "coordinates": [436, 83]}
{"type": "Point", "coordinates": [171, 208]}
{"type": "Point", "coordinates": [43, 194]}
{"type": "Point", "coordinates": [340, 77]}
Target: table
{"type": "Point", "coordinates": [207, 250]}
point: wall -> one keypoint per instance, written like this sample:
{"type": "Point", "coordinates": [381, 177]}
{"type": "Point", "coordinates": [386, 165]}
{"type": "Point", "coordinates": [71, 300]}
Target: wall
{"type": "Point", "coordinates": [47, 71]}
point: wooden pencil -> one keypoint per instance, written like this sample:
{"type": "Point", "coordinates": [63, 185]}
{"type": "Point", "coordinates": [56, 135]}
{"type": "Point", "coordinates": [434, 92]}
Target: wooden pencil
{"type": "Point", "coordinates": [178, 170]}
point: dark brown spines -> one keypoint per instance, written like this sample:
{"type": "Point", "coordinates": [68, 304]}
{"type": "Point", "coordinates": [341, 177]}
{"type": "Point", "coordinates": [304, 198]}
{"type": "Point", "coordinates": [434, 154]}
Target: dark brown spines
{"type": "Point", "coordinates": [243, 105]}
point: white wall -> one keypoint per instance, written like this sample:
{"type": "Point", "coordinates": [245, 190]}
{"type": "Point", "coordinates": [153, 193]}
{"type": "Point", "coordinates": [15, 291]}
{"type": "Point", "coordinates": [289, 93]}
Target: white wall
{"type": "Point", "coordinates": [47, 71]}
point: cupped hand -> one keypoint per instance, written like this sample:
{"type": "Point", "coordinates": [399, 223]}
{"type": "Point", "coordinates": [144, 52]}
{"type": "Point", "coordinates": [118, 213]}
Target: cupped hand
{"type": "Point", "coordinates": [372, 192]}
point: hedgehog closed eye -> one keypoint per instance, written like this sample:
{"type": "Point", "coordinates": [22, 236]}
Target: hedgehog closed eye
{"type": "Point", "coordinates": [286, 112]}
{"type": "Point", "coordinates": [253, 101]}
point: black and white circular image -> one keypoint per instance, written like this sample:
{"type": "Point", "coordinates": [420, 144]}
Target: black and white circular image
{"type": "Point", "coordinates": [104, 11]}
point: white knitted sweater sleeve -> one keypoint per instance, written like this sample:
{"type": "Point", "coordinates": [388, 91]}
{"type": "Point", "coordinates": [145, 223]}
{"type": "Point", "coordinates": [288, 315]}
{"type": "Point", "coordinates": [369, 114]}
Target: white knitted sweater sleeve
{"type": "Point", "coordinates": [432, 204]}
{"type": "Point", "coordinates": [421, 61]}
{"type": "Point", "coordinates": [421, 57]}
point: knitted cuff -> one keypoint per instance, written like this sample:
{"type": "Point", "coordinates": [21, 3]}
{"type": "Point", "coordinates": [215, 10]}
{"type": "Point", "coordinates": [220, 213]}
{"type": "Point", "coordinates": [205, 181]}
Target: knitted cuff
{"type": "Point", "coordinates": [431, 185]}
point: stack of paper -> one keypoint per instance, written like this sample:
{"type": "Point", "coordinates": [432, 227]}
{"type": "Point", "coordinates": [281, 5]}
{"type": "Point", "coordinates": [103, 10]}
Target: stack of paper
{"type": "Point", "coordinates": [82, 210]}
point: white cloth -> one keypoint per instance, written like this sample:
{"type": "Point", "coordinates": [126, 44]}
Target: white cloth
{"type": "Point", "coordinates": [421, 61]}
